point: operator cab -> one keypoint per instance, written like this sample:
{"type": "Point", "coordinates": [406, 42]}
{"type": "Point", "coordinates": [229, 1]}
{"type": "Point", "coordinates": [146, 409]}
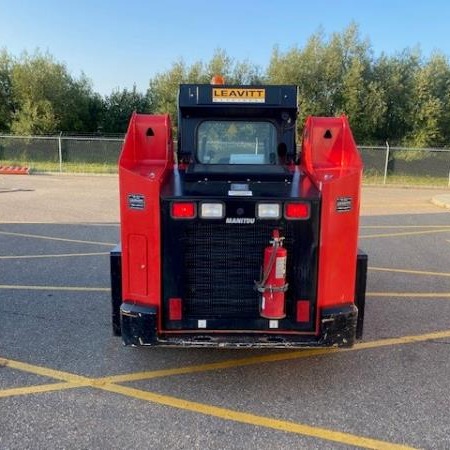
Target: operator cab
{"type": "Point", "coordinates": [237, 131]}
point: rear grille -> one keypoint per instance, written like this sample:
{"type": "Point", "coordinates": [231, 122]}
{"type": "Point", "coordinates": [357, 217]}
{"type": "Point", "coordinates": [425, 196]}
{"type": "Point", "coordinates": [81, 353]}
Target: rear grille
{"type": "Point", "coordinates": [221, 263]}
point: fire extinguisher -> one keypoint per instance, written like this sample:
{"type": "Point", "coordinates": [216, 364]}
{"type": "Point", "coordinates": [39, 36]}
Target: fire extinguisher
{"type": "Point", "coordinates": [273, 283]}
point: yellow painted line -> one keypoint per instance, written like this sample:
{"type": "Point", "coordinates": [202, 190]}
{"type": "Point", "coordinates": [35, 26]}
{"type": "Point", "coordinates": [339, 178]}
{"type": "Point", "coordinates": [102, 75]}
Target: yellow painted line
{"type": "Point", "coordinates": [87, 224]}
{"type": "Point", "coordinates": [395, 205]}
{"type": "Point", "coordinates": [400, 340]}
{"type": "Point", "coordinates": [406, 233]}
{"type": "Point", "coordinates": [54, 288]}
{"type": "Point", "coordinates": [282, 356]}
{"type": "Point", "coordinates": [37, 389]}
{"type": "Point", "coordinates": [409, 294]}
{"type": "Point", "coordinates": [253, 419]}
{"type": "Point", "coordinates": [221, 365]}
{"type": "Point", "coordinates": [44, 371]}
{"type": "Point", "coordinates": [414, 272]}
{"type": "Point", "coordinates": [403, 226]}
{"type": "Point", "coordinates": [224, 413]}
{"type": "Point", "coordinates": [36, 236]}
{"type": "Point", "coordinates": [64, 255]}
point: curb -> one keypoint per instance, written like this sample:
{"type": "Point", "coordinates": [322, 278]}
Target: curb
{"type": "Point", "coordinates": [441, 200]}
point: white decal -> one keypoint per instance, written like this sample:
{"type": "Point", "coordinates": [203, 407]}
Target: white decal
{"type": "Point", "coordinates": [240, 193]}
{"type": "Point", "coordinates": [280, 267]}
{"type": "Point", "coordinates": [240, 220]}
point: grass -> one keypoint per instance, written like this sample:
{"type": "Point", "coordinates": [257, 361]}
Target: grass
{"type": "Point", "coordinates": [406, 180]}
{"type": "Point", "coordinates": [47, 166]}
{"type": "Point", "coordinates": [369, 178]}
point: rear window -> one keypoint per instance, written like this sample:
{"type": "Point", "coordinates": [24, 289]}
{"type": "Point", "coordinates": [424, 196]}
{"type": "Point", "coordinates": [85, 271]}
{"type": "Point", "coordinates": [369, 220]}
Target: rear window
{"type": "Point", "coordinates": [236, 142]}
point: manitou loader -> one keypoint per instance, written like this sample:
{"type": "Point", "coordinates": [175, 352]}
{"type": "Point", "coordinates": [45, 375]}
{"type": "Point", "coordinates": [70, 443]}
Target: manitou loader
{"type": "Point", "coordinates": [244, 239]}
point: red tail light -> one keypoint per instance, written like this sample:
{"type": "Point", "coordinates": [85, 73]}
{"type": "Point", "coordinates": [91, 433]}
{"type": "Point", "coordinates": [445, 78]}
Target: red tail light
{"type": "Point", "coordinates": [296, 211]}
{"type": "Point", "coordinates": [302, 311]}
{"type": "Point", "coordinates": [183, 210]}
{"type": "Point", "coordinates": [175, 309]}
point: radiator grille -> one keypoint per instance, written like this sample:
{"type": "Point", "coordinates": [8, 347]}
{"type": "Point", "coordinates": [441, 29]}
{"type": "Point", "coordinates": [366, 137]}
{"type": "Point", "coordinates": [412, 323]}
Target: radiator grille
{"type": "Point", "coordinates": [221, 263]}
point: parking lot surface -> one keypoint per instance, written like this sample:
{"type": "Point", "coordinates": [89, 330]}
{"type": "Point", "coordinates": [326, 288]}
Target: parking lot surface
{"type": "Point", "coordinates": [66, 382]}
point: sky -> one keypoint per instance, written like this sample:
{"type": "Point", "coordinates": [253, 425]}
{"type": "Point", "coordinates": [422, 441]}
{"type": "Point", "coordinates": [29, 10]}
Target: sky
{"type": "Point", "coordinates": [121, 43]}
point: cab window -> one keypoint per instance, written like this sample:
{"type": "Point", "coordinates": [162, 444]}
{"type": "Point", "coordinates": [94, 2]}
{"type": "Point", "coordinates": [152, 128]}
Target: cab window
{"type": "Point", "coordinates": [236, 142]}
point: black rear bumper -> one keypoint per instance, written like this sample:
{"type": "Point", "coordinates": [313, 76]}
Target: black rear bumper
{"type": "Point", "coordinates": [139, 327]}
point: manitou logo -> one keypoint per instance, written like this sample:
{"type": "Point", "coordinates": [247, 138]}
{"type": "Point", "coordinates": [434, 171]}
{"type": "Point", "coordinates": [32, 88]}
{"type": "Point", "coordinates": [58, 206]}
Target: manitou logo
{"type": "Point", "coordinates": [240, 220]}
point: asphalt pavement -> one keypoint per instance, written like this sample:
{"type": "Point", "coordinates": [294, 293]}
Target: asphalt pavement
{"type": "Point", "coordinates": [66, 382]}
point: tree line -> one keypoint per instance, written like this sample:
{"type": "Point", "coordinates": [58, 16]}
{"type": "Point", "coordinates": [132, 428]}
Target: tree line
{"type": "Point", "coordinates": [39, 96]}
{"type": "Point", "coordinates": [403, 98]}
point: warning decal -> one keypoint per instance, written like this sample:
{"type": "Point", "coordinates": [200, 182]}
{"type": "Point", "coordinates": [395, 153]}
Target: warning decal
{"type": "Point", "coordinates": [136, 201]}
{"type": "Point", "coordinates": [237, 95]}
{"type": "Point", "coordinates": [280, 267]}
{"type": "Point", "coordinates": [343, 204]}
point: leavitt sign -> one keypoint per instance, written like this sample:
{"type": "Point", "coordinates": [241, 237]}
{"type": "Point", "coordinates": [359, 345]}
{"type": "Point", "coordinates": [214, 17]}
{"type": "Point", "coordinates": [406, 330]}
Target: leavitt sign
{"type": "Point", "coordinates": [235, 95]}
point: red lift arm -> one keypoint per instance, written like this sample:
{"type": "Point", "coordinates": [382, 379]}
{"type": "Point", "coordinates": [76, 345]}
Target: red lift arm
{"type": "Point", "coordinates": [145, 161]}
{"type": "Point", "coordinates": [332, 161]}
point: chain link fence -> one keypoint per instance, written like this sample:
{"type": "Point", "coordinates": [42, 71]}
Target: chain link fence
{"type": "Point", "coordinates": [99, 154]}
{"type": "Point", "coordinates": [386, 164]}
{"type": "Point", "coordinates": [89, 154]}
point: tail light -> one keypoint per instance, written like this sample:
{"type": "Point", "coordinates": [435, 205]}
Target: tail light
{"type": "Point", "coordinates": [175, 309]}
{"type": "Point", "coordinates": [183, 210]}
{"type": "Point", "coordinates": [296, 211]}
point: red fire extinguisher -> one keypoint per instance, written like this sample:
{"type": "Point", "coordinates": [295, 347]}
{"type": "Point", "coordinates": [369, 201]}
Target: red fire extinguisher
{"type": "Point", "coordinates": [273, 283]}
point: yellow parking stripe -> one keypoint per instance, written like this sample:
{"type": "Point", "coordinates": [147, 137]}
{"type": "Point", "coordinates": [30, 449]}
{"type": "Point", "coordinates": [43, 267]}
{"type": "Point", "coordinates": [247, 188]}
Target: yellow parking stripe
{"type": "Point", "coordinates": [50, 238]}
{"type": "Point", "coordinates": [414, 272]}
{"type": "Point", "coordinates": [228, 364]}
{"type": "Point", "coordinates": [253, 419]}
{"type": "Point", "coordinates": [107, 289]}
{"type": "Point", "coordinates": [63, 255]}
{"type": "Point", "coordinates": [84, 224]}
{"type": "Point", "coordinates": [394, 205]}
{"type": "Point", "coordinates": [403, 226]}
{"type": "Point", "coordinates": [55, 288]}
{"type": "Point", "coordinates": [87, 224]}
{"type": "Point", "coordinates": [105, 384]}
{"type": "Point", "coordinates": [37, 389]}
{"type": "Point", "coordinates": [401, 340]}
{"type": "Point", "coordinates": [406, 233]}
{"type": "Point", "coordinates": [409, 294]}
{"type": "Point", "coordinates": [282, 356]}
{"type": "Point", "coordinates": [44, 371]}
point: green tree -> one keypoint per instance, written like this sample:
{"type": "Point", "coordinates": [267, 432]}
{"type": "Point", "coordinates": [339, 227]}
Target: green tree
{"type": "Point", "coordinates": [81, 108]}
{"type": "Point", "coordinates": [396, 77]}
{"type": "Point", "coordinates": [118, 108]}
{"type": "Point", "coordinates": [163, 88]}
{"type": "Point", "coordinates": [430, 112]}
{"type": "Point", "coordinates": [233, 72]}
{"type": "Point", "coordinates": [47, 98]}
{"type": "Point", "coordinates": [333, 76]}
{"type": "Point", "coordinates": [6, 107]}
{"type": "Point", "coordinates": [363, 101]}
{"type": "Point", "coordinates": [38, 82]}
